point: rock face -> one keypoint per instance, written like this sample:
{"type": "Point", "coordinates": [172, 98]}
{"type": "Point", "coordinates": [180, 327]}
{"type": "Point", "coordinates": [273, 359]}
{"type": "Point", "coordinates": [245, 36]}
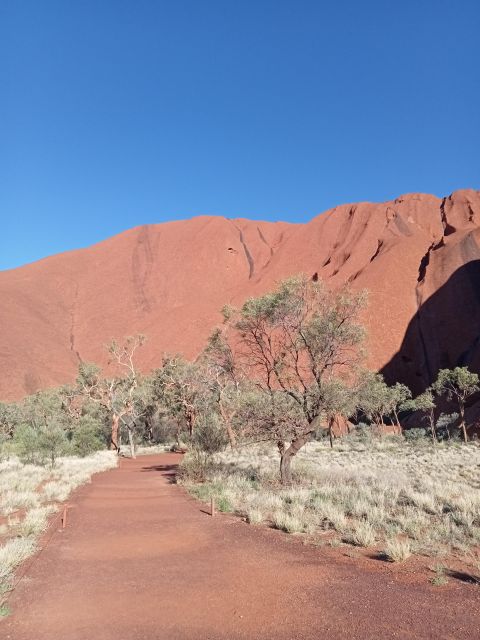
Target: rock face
{"type": "Point", "coordinates": [418, 255]}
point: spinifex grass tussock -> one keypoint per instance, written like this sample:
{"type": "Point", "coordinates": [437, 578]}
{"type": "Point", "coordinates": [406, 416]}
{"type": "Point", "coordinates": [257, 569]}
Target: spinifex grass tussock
{"type": "Point", "coordinates": [390, 494]}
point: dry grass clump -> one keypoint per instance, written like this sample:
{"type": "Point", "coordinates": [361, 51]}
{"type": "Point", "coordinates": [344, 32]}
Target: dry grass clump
{"type": "Point", "coordinates": [26, 496]}
{"type": "Point", "coordinates": [398, 550]}
{"type": "Point", "coordinates": [12, 553]}
{"type": "Point", "coordinates": [362, 534]}
{"type": "Point", "coordinates": [406, 496]}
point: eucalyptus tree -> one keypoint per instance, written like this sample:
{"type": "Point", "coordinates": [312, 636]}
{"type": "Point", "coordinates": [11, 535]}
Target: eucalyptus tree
{"type": "Point", "coordinates": [183, 390]}
{"type": "Point", "coordinates": [459, 385]}
{"type": "Point", "coordinates": [293, 343]}
{"type": "Point", "coordinates": [226, 379]}
{"type": "Point", "coordinates": [124, 397]}
{"type": "Point", "coordinates": [377, 400]}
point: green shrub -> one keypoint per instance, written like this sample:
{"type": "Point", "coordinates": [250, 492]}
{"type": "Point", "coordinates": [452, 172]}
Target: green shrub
{"type": "Point", "coordinates": [87, 437]}
{"type": "Point", "coordinates": [194, 467]}
{"type": "Point", "coordinates": [52, 442]}
{"type": "Point", "coordinates": [25, 443]}
{"type": "Point", "coordinates": [39, 445]}
{"type": "Point", "coordinates": [209, 436]}
{"type": "Point", "coordinates": [223, 504]}
{"type": "Point", "coordinates": [416, 434]}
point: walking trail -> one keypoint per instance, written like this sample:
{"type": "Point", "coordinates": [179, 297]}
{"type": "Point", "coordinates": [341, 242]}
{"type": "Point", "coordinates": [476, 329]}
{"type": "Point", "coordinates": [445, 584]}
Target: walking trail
{"type": "Point", "coordinates": [140, 559]}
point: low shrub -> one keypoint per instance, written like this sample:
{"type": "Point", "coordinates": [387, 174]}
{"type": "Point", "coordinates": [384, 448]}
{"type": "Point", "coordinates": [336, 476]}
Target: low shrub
{"type": "Point", "coordinates": [416, 434]}
{"type": "Point", "coordinates": [87, 437]}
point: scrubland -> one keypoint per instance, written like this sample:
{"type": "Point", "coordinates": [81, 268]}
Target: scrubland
{"type": "Point", "coordinates": [29, 495]}
{"type": "Point", "coordinates": [394, 497]}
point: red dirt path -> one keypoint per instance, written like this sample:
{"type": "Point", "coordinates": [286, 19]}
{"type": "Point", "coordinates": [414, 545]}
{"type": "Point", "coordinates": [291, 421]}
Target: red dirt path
{"type": "Point", "coordinates": [141, 560]}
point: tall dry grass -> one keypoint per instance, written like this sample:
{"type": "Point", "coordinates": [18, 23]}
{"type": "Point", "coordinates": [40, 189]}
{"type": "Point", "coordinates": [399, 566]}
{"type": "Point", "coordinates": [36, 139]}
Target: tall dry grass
{"type": "Point", "coordinates": [396, 496]}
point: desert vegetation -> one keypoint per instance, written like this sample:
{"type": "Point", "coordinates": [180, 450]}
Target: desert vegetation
{"type": "Point", "coordinates": [394, 496]}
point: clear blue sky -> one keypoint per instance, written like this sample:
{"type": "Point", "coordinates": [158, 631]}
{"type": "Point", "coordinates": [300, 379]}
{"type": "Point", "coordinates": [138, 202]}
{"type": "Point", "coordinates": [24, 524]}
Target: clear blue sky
{"type": "Point", "coordinates": [118, 113]}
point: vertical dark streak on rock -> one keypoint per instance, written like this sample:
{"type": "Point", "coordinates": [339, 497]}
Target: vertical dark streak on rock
{"type": "Point", "coordinates": [248, 255]}
{"type": "Point", "coordinates": [73, 314]}
{"type": "Point", "coordinates": [422, 273]}
{"type": "Point", "coordinates": [142, 263]}
{"type": "Point", "coordinates": [262, 238]}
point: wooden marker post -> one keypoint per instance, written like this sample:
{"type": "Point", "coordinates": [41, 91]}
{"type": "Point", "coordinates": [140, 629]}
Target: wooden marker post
{"type": "Point", "coordinates": [212, 506]}
{"type": "Point", "coordinates": [64, 517]}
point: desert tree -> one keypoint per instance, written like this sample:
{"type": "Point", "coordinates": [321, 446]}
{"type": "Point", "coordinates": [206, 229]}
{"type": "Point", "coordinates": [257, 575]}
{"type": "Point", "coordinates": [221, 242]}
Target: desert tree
{"type": "Point", "coordinates": [124, 397]}
{"type": "Point", "coordinates": [378, 400]}
{"type": "Point", "coordinates": [293, 342]}
{"type": "Point", "coordinates": [400, 395]}
{"type": "Point", "coordinates": [182, 389]}
{"type": "Point", "coordinates": [425, 404]}
{"type": "Point", "coordinates": [459, 385]}
{"type": "Point", "coordinates": [373, 397]}
{"type": "Point", "coordinates": [337, 398]}
{"type": "Point", "coordinates": [226, 379]}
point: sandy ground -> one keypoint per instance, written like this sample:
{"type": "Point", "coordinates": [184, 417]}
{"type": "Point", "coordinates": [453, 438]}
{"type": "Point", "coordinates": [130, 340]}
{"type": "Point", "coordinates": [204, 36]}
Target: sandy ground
{"type": "Point", "coordinates": [139, 559]}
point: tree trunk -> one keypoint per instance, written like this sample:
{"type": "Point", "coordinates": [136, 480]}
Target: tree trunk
{"type": "Point", "coordinates": [286, 455]}
{"type": "Point", "coordinates": [191, 419]}
{"type": "Point", "coordinates": [114, 434]}
{"type": "Point", "coordinates": [231, 436]}
{"type": "Point", "coordinates": [330, 432]}
{"type": "Point", "coordinates": [132, 444]}
{"type": "Point", "coordinates": [432, 427]}
{"type": "Point", "coordinates": [228, 425]}
{"type": "Point", "coordinates": [285, 468]}
{"type": "Point", "coordinates": [397, 422]}
{"type": "Point", "coordinates": [462, 423]}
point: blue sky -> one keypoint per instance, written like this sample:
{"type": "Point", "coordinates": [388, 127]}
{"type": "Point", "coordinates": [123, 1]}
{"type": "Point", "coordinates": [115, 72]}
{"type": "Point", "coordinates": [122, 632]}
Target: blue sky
{"type": "Point", "coordinates": [119, 113]}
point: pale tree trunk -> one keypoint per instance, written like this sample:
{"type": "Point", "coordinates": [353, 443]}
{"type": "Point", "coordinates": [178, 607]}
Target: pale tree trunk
{"type": "Point", "coordinates": [231, 436]}
{"type": "Point", "coordinates": [462, 422]}
{"type": "Point", "coordinates": [114, 435]}
{"type": "Point", "coordinates": [432, 427]}
{"type": "Point", "coordinates": [397, 422]}
{"type": "Point", "coordinates": [287, 453]}
{"type": "Point", "coordinates": [228, 425]}
{"type": "Point", "coordinates": [131, 443]}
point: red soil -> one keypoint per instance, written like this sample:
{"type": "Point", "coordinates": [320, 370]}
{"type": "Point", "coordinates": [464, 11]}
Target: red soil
{"type": "Point", "coordinates": [141, 560]}
{"type": "Point", "coordinates": [418, 255]}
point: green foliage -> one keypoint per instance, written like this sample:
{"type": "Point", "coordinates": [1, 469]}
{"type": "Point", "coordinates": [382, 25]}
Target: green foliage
{"type": "Point", "coordinates": [183, 390]}
{"type": "Point", "coordinates": [379, 401]}
{"type": "Point", "coordinates": [52, 442]}
{"type": "Point", "coordinates": [194, 467]}
{"type": "Point", "coordinates": [39, 445]}
{"type": "Point", "coordinates": [444, 424]}
{"type": "Point", "coordinates": [297, 346]}
{"type": "Point", "coordinates": [424, 402]}
{"type": "Point", "coordinates": [209, 435]}
{"type": "Point", "coordinates": [224, 505]}
{"type": "Point", "coordinates": [267, 416]}
{"type": "Point", "coordinates": [458, 383]}
{"type": "Point", "coordinates": [296, 341]}
{"type": "Point", "coordinates": [25, 443]}
{"type": "Point", "coordinates": [416, 434]}
{"type": "Point", "coordinates": [87, 436]}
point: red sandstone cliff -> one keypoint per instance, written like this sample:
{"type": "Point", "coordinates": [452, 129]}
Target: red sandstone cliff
{"type": "Point", "coordinates": [418, 255]}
